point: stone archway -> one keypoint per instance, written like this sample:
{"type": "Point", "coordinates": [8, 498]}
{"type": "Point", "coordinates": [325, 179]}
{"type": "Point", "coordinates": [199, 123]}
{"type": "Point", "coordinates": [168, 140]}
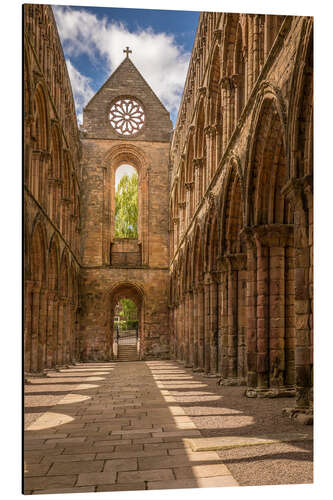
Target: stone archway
{"type": "Point", "coordinates": [127, 290]}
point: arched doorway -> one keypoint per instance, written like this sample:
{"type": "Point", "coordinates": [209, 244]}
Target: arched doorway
{"type": "Point", "coordinates": [126, 321]}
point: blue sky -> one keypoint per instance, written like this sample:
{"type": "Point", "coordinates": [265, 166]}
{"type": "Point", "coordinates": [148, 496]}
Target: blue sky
{"type": "Point", "coordinates": [93, 40]}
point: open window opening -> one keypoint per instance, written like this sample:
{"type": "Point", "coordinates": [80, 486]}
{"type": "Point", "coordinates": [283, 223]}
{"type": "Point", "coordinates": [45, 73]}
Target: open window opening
{"type": "Point", "coordinates": [126, 202]}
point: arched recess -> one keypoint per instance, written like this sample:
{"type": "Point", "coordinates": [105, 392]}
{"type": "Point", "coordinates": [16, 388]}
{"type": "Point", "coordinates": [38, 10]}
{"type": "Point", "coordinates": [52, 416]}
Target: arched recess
{"type": "Point", "coordinates": [36, 165]}
{"type": "Point", "coordinates": [181, 199]}
{"type": "Point", "coordinates": [134, 292]}
{"type": "Point", "coordinates": [189, 179]}
{"type": "Point", "coordinates": [125, 154]}
{"type": "Point", "coordinates": [270, 251]}
{"type": "Point", "coordinates": [55, 176]}
{"type": "Point", "coordinates": [215, 109]}
{"type": "Point", "coordinates": [35, 313]}
{"type": "Point", "coordinates": [52, 301]}
{"type": "Point", "coordinates": [201, 150]}
{"type": "Point", "coordinates": [64, 311]}
{"type": "Point", "coordinates": [175, 216]}
{"type": "Point", "coordinates": [234, 278]}
{"type": "Point", "coordinates": [239, 73]}
{"type": "Point", "coordinates": [227, 72]}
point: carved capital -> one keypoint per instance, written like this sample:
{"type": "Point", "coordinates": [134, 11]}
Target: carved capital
{"type": "Point", "coordinates": [274, 235]}
{"type": "Point", "coordinates": [235, 262]}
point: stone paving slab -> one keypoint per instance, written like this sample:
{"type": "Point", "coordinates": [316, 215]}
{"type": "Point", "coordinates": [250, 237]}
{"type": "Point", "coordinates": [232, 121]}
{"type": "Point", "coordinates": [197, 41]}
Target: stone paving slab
{"type": "Point", "coordinates": [226, 442]}
{"type": "Point", "coordinates": [124, 432]}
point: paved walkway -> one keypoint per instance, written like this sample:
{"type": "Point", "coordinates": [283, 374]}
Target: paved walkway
{"type": "Point", "coordinates": [128, 426]}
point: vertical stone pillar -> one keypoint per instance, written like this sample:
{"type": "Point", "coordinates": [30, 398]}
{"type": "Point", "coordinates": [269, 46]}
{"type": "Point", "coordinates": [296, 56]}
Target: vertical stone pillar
{"type": "Point", "coordinates": [28, 300]}
{"type": "Point", "coordinates": [207, 322]}
{"type": "Point", "coordinates": [234, 263]}
{"type": "Point", "coordinates": [213, 325]}
{"type": "Point", "coordinates": [195, 329]}
{"type": "Point", "coordinates": [198, 163]}
{"type": "Point", "coordinates": [256, 42]}
{"type": "Point", "coordinates": [251, 308]}
{"type": "Point", "coordinates": [42, 330]}
{"type": "Point", "coordinates": [224, 319]}
{"type": "Point", "coordinates": [49, 330]}
{"type": "Point", "coordinates": [190, 327]}
{"type": "Point", "coordinates": [300, 194]}
{"type": "Point", "coordinates": [263, 347]}
{"type": "Point", "coordinates": [60, 336]}
{"type": "Point", "coordinates": [250, 79]}
{"type": "Point", "coordinates": [186, 329]}
{"type": "Point", "coordinates": [201, 327]}
{"type": "Point", "coordinates": [35, 327]}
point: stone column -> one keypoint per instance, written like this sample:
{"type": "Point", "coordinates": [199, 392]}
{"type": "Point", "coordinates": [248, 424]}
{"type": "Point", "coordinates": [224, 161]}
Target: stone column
{"type": "Point", "coordinates": [234, 263]}
{"type": "Point", "coordinates": [213, 325]}
{"type": "Point", "coordinates": [227, 118]}
{"type": "Point", "coordinates": [60, 336]}
{"type": "Point", "coordinates": [35, 327]}
{"type": "Point", "coordinates": [191, 328]}
{"type": "Point", "coordinates": [251, 308]}
{"type": "Point", "coordinates": [224, 320]}
{"type": "Point", "coordinates": [186, 329]}
{"type": "Point", "coordinates": [28, 299]}
{"type": "Point", "coordinates": [189, 201]}
{"type": "Point", "coordinates": [50, 362]}
{"type": "Point", "coordinates": [198, 165]}
{"type": "Point", "coordinates": [299, 192]}
{"type": "Point", "coordinates": [207, 331]}
{"type": "Point", "coordinates": [42, 330]}
{"type": "Point", "coordinates": [201, 326]}
{"type": "Point", "coordinates": [195, 329]}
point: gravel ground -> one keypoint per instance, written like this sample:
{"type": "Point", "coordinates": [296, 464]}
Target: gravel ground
{"type": "Point", "coordinates": [282, 463]}
{"type": "Point", "coordinates": [225, 411]}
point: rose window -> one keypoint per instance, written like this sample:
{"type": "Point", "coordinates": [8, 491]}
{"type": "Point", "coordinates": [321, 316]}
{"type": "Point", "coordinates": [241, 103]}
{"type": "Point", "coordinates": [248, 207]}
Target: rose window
{"type": "Point", "coordinates": [127, 116]}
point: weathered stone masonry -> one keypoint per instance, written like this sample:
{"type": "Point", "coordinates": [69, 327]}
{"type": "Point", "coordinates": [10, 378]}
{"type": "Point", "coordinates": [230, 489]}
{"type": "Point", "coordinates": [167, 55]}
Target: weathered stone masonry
{"type": "Point", "coordinates": [222, 269]}
{"type": "Point", "coordinates": [241, 206]}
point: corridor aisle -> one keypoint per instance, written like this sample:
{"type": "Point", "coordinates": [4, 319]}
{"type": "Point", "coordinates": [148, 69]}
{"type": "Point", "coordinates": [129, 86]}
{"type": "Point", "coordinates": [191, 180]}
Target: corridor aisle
{"type": "Point", "coordinates": [113, 427]}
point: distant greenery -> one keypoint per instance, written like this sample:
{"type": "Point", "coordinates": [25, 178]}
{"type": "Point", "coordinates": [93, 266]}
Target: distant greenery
{"type": "Point", "coordinates": [126, 215]}
{"type": "Point", "coordinates": [128, 308]}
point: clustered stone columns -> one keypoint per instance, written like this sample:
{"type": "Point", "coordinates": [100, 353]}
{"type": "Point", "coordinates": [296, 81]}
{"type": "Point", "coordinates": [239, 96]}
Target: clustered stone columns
{"type": "Point", "coordinates": [268, 347]}
{"type": "Point", "coordinates": [50, 329]}
{"type": "Point", "coordinates": [299, 192]}
{"type": "Point", "coordinates": [233, 341]}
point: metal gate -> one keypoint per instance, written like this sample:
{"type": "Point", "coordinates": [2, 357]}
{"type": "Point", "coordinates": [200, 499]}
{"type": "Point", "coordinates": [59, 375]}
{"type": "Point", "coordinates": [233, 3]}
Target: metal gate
{"type": "Point", "coordinates": [126, 337]}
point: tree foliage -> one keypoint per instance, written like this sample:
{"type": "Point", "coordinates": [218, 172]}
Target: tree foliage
{"type": "Point", "coordinates": [126, 214]}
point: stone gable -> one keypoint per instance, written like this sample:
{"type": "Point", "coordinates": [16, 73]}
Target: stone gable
{"type": "Point", "coordinates": [126, 81]}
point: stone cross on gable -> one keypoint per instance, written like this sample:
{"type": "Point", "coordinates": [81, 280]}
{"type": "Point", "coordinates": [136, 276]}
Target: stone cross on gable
{"type": "Point", "coordinates": [127, 51]}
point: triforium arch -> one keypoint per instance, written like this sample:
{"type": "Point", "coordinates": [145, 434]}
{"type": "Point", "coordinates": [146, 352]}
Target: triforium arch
{"type": "Point", "coordinates": [125, 154]}
{"type": "Point", "coordinates": [270, 253]}
{"type": "Point", "coordinates": [126, 290]}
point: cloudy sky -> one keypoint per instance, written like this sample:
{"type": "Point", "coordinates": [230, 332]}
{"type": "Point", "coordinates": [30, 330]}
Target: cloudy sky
{"type": "Point", "coordinates": [93, 40]}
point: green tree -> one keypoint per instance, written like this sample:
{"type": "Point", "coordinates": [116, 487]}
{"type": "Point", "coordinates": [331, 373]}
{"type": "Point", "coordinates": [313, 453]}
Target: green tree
{"type": "Point", "coordinates": [126, 215]}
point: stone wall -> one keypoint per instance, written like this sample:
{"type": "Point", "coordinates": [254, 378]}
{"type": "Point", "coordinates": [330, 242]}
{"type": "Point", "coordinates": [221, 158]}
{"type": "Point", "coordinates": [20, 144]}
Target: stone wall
{"type": "Point", "coordinates": [241, 205]}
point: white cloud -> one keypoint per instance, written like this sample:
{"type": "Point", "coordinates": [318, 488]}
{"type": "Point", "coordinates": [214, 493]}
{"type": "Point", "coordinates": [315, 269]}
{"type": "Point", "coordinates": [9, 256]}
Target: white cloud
{"type": "Point", "coordinates": [124, 170]}
{"type": "Point", "coordinates": [156, 55]}
{"type": "Point", "coordinates": [82, 90]}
